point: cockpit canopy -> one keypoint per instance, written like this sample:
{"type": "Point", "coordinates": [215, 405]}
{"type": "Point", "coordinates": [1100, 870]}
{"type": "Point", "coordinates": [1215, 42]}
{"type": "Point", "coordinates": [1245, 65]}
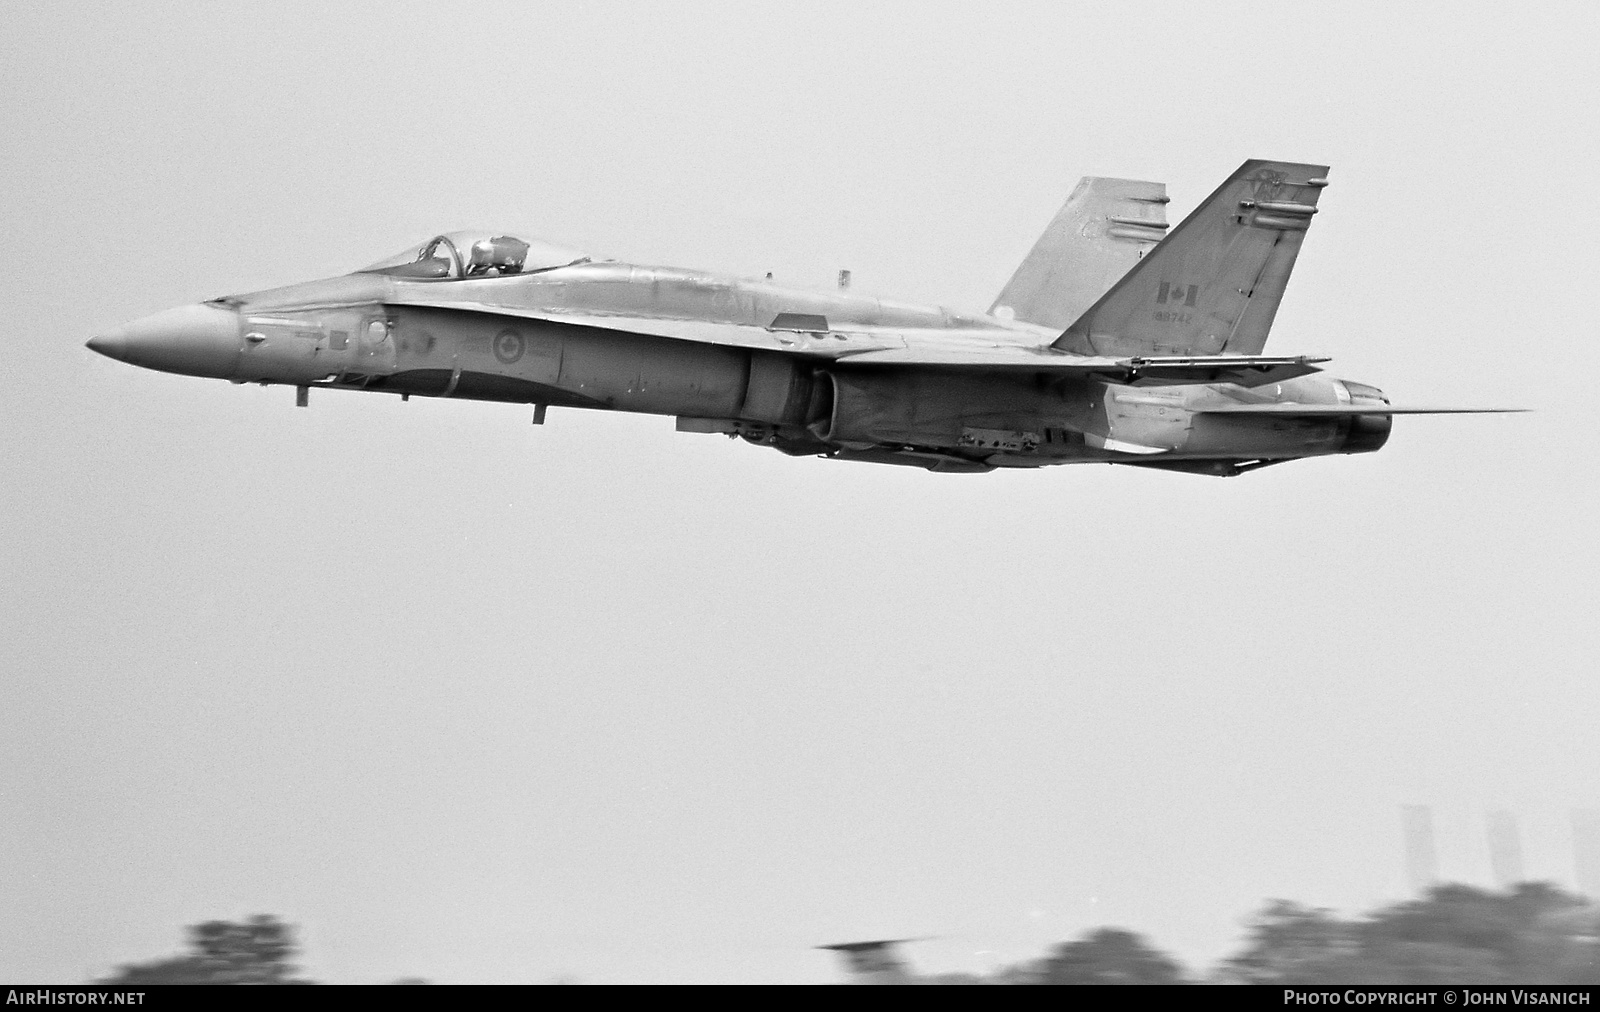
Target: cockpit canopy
{"type": "Point", "coordinates": [475, 254]}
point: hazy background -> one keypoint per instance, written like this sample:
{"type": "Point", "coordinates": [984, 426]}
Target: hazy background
{"type": "Point", "coordinates": [479, 701]}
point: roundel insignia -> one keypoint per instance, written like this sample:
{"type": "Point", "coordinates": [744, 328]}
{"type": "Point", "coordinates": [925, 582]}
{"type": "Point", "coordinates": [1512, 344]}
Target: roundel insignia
{"type": "Point", "coordinates": [508, 346]}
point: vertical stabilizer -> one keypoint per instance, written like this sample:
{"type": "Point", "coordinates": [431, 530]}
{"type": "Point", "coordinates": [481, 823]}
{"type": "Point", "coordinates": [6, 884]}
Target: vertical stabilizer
{"type": "Point", "coordinates": [1213, 286]}
{"type": "Point", "coordinates": [1102, 230]}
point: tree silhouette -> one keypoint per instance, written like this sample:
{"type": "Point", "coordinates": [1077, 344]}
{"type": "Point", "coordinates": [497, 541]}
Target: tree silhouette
{"type": "Point", "coordinates": [1291, 942]}
{"type": "Point", "coordinates": [1456, 934]}
{"type": "Point", "coordinates": [255, 951]}
{"type": "Point", "coordinates": [1109, 956]}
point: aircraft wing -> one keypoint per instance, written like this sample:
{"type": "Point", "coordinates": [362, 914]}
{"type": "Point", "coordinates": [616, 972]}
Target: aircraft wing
{"type": "Point", "coordinates": [951, 348]}
{"type": "Point", "coordinates": [825, 343]}
{"type": "Point", "coordinates": [793, 334]}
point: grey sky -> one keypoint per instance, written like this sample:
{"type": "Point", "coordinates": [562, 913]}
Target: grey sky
{"type": "Point", "coordinates": [479, 701]}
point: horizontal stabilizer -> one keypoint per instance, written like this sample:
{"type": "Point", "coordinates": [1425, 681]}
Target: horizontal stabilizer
{"type": "Point", "coordinates": [1245, 370]}
{"type": "Point", "coordinates": [1344, 410]}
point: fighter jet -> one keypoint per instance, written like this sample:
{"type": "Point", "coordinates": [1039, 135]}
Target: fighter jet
{"type": "Point", "coordinates": [1114, 342]}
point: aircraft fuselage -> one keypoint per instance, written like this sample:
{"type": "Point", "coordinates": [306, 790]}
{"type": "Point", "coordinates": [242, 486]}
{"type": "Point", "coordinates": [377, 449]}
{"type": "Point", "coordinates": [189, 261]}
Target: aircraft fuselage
{"type": "Point", "coordinates": [569, 338]}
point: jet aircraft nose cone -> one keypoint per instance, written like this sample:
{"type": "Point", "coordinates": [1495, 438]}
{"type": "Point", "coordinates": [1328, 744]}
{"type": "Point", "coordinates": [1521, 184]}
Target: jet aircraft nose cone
{"type": "Point", "coordinates": [110, 345]}
{"type": "Point", "coordinates": [197, 340]}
